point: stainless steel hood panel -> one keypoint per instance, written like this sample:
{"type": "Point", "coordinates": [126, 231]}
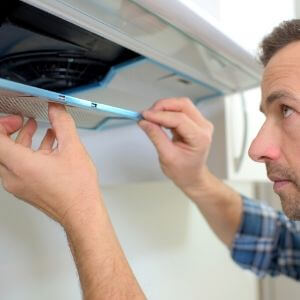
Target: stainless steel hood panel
{"type": "Point", "coordinates": [202, 27]}
{"type": "Point", "coordinates": [135, 28]}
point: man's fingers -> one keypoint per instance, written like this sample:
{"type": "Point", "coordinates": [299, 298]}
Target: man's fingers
{"type": "Point", "coordinates": [184, 127]}
{"type": "Point", "coordinates": [62, 124]}
{"type": "Point", "coordinates": [26, 133]}
{"type": "Point", "coordinates": [10, 124]}
{"type": "Point", "coordinates": [9, 152]}
{"type": "Point", "coordinates": [184, 105]}
{"type": "Point", "coordinates": [157, 136]}
{"type": "Point", "coordinates": [48, 140]}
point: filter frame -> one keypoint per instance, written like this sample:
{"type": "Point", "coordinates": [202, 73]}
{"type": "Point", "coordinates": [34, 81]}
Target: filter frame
{"type": "Point", "coordinates": [32, 102]}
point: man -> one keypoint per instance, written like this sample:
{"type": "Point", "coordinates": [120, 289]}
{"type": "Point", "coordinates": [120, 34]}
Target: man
{"type": "Point", "coordinates": [63, 182]}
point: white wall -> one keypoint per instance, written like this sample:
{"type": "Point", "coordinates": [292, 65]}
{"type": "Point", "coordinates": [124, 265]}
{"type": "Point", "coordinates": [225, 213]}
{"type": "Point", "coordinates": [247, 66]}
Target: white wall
{"type": "Point", "coordinates": [35, 263]}
{"type": "Point", "coordinates": [247, 22]}
{"type": "Point", "coordinates": [211, 7]}
{"type": "Point", "coordinates": [171, 249]}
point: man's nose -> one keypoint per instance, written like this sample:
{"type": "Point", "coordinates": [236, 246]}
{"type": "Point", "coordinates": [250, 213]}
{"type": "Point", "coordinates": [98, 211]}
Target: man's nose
{"type": "Point", "coordinates": [266, 145]}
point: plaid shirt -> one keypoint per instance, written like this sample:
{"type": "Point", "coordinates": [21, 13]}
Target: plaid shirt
{"type": "Point", "coordinates": [267, 242]}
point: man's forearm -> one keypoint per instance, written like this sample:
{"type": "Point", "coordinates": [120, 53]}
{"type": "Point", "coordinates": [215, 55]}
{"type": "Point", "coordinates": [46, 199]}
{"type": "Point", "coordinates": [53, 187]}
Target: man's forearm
{"type": "Point", "coordinates": [220, 205]}
{"type": "Point", "coordinates": [103, 269]}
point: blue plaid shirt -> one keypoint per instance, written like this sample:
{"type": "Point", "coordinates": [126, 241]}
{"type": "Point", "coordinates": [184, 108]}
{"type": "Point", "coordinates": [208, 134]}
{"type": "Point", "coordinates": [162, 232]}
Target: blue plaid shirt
{"type": "Point", "coordinates": [267, 242]}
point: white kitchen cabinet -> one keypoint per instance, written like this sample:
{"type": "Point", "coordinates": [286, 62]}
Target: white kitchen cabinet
{"type": "Point", "coordinates": [229, 158]}
{"type": "Point", "coordinates": [235, 131]}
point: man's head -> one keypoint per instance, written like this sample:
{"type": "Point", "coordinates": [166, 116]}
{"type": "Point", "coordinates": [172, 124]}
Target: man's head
{"type": "Point", "coordinates": [278, 141]}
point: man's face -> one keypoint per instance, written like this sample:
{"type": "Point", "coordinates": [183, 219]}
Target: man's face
{"type": "Point", "coordinates": [278, 142]}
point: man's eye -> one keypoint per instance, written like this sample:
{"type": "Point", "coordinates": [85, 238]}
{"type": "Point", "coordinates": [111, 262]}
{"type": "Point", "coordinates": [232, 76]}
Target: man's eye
{"type": "Point", "coordinates": [286, 111]}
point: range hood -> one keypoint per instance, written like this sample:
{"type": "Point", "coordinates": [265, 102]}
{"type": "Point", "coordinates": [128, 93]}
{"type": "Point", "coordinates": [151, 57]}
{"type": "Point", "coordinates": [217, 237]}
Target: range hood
{"type": "Point", "coordinates": [119, 53]}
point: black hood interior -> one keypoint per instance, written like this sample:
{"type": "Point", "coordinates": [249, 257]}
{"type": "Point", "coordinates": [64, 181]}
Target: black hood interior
{"type": "Point", "coordinates": [42, 50]}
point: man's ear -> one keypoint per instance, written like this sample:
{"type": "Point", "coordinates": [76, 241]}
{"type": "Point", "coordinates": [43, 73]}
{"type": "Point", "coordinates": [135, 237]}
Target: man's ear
{"type": "Point", "coordinates": [10, 124]}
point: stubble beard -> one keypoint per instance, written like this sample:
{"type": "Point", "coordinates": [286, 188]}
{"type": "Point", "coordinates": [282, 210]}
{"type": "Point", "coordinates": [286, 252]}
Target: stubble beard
{"type": "Point", "coordinates": [289, 196]}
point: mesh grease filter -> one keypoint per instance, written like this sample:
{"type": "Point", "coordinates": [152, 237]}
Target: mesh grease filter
{"type": "Point", "coordinates": [37, 108]}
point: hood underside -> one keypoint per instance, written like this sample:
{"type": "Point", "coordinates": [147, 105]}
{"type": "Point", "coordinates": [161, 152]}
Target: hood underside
{"type": "Point", "coordinates": [45, 51]}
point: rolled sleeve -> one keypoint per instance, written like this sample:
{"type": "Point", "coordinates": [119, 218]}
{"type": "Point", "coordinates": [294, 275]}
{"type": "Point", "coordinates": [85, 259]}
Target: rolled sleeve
{"type": "Point", "coordinates": [267, 242]}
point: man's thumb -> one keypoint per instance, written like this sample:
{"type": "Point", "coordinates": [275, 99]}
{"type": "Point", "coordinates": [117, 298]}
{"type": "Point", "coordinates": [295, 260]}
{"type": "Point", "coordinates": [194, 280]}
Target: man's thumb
{"type": "Point", "coordinates": [157, 136]}
{"type": "Point", "coordinates": [62, 124]}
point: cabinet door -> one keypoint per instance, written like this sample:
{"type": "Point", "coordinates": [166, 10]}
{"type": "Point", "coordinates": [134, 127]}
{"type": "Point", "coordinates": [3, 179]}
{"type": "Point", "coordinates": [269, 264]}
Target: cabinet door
{"type": "Point", "coordinates": [243, 121]}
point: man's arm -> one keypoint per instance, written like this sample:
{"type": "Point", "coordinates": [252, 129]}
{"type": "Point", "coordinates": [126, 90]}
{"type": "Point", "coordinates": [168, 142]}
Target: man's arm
{"type": "Point", "coordinates": [220, 205]}
{"type": "Point", "coordinates": [63, 183]}
{"type": "Point", "coordinates": [183, 160]}
{"type": "Point", "coordinates": [103, 269]}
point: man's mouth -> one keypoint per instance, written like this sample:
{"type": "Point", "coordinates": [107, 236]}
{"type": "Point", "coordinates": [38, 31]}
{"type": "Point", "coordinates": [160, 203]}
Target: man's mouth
{"type": "Point", "coordinates": [279, 183]}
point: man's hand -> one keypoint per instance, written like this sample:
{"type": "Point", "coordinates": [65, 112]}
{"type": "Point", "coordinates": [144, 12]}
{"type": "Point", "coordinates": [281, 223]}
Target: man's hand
{"type": "Point", "coordinates": [184, 157]}
{"type": "Point", "coordinates": [57, 181]}
{"type": "Point", "coordinates": [183, 160]}
{"type": "Point", "coordinates": [63, 183]}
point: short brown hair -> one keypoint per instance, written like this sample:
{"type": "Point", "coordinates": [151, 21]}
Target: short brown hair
{"type": "Point", "coordinates": [282, 35]}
